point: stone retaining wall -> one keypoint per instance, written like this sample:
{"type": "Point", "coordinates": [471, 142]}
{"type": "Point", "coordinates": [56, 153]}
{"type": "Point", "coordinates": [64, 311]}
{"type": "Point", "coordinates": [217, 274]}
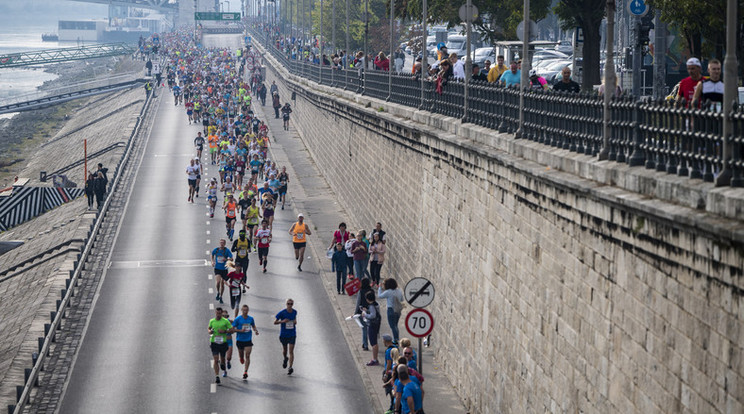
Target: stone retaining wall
{"type": "Point", "coordinates": [554, 292]}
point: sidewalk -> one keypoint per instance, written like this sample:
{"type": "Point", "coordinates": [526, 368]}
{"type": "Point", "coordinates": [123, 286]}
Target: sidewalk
{"type": "Point", "coordinates": [310, 194]}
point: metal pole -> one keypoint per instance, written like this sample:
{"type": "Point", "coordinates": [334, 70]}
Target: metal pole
{"type": "Point", "coordinates": [730, 66]}
{"type": "Point", "coordinates": [660, 48]}
{"type": "Point", "coordinates": [346, 52]}
{"type": "Point", "coordinates": [524, 71]}
{"type": "Point", "coordinates": [390, 56]}
{"type": "Point", "coordinates": [421, 347]}
{"type": "Point", "coordinates": [320, 45]}
{"type": "Point", "coordinates": [609, 80]}
{"type": "Point", "coordinates": [424, 58]}
{"type": "Point", "coordinates": [366, 45]}
{"type": "Point", "coordinates": [334, 48]}
{"type": "Point", "coordinates": [636, 22]}
{"type": "Point", "coordinates": [468, 63]}
{"type": "Point", "coordinates": [85, 156]}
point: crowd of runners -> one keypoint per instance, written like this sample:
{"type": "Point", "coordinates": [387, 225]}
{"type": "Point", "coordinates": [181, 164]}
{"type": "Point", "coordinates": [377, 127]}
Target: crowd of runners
{"type": "Point", "coordinates": [215, 87]}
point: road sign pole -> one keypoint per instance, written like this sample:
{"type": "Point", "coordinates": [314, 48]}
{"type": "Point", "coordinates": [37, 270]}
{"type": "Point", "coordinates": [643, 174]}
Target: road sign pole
{"type": "Point", "coordinates": [421, 357]}
{"type": "Point", "coordinates": [636, 57]}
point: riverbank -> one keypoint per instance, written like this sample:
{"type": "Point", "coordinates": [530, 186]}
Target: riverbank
{"type": "Point", "coordinates": [24, 133]}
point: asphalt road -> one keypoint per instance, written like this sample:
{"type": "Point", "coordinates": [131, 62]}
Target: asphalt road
{"type": "Point", "coordinates": [146, 348]}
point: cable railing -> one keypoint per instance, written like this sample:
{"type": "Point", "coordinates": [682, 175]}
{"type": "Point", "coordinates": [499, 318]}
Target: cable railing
{"type": "Point", "coordinates": [658, 135]}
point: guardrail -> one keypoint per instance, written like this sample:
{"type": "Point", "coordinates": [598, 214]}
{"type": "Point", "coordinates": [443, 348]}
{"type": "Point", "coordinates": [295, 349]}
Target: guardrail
{"type": "Point", "coordinates": [31, 374]}
{"type": "Point", "coordinates": [662, 136]}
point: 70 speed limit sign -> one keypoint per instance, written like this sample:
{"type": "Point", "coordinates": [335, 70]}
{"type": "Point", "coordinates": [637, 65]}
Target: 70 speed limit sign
{"type": "Point", "coordinates": [419, 323]}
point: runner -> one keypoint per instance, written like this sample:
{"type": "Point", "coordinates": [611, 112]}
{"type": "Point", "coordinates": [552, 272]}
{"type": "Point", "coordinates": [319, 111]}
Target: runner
{"type": "Point", "coordinates": [212, 196]}
{"type": "Point", "coordinates": [220, 255]}
{"type": "Point", "coordinates": [283, 182]}
{"type": "Point", "coordinates": [192, 171]}
{"type": "Point", "coordinates": [287, 318]}
{"type": "Point", "coordinates": [286, 110]}
{"type": "Point", "coordinates": [189, 109]}
{"type": "Point", "coordinates": [252, 215]}
{"type": "Point", "coordinates": [245, 327]}
{"type": "Point", "coordinates": [228, 354]}
{"type": "Point", "coordinates": [218, 328]}
{"type": "Point", "coordinates": [298, 232]}
{"type": "Point", "coordinates": [236, 280]}
{"type": "Point", "coordinates": [241, 246]}
{"type": "Point", "coordinates": [213, 148]}
{"type": "Point", "coordinates": [231, 208]}
{"type": "Point", "coordinates": [263, 235]}
{"type": "Point", "coordinates": [199, 144]}
{"type": "Point", "coordinates": [198, 176]}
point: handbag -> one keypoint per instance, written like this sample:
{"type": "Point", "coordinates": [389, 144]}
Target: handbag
{"type": "Point", "coordinates": [329, 253]}
{"type": "Point", "coordinates": [353, 286]}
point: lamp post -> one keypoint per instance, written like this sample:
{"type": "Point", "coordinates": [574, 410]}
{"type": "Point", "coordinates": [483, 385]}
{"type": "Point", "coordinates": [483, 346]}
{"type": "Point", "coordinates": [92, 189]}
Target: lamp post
{"type": "Point", "coordinates": [609, 80]}
{"type": "Point", "coordinates": [524, 71]}
{"type": "Point", "coordinates": [424, 58]}
{"type": "Point", "coordinates": [320, 45]}
{"type": "Point", "coordinates": [366, 45]}
{"type": "Point", "coordinates": [390, 56]}
{"type": "Point", "coordinates": [346, 52]}
{"type": "Point", "coordinates": [730, 65]}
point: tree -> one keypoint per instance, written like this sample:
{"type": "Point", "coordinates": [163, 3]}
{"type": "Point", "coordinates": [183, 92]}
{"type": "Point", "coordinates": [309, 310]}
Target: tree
{"type": "Point", "coordinates": [378, 38]}
{"type": "Point", "coordinates": [702, 26]}
{"type": "Point", "coordinates": [498, 19]}
{"type": "Point", "coordinates": [588, 15]}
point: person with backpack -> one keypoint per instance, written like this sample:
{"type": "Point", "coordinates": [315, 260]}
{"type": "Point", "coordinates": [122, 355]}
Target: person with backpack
{"type": "Point", "coordinates": [371, 314]}
{"type": "Point", "coordinates": [394, 297]}
{"type": "Point", "coordinates": [360, 304]}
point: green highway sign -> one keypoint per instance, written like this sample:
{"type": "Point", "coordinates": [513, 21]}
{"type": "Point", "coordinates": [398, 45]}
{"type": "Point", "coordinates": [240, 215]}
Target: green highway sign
{"type": "Point", "coordinates": [217, 16]}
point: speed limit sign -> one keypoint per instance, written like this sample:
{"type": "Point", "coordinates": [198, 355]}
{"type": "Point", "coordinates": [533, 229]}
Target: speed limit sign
{"type": "Point", "coordinates": [419, 323]}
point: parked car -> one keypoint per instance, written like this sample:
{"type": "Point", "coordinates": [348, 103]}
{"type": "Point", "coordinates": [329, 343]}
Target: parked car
{"type": "Point", "coordinates": [548, 72]}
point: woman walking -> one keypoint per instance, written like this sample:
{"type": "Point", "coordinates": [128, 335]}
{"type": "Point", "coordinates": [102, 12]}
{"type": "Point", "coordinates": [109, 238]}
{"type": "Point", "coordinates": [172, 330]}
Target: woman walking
{"type": "Point", "coordinates": [377, 255]}
{"type": "Point", "coordinates": [394, 298]}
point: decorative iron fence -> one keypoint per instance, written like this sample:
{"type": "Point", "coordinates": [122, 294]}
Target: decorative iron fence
{"type": "Point", "coordinates": [664, 136]}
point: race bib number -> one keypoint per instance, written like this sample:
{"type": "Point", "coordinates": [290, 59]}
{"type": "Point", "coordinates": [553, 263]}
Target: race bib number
{"type": "Point", "coordinates": [301, 236]}
{"type": "Point", "coordinates": [219, 339]}
{"type": "Point", "coordinates": [264, 240]}
{"type": "Point", "coordinates": [246, 328]}
{"type": "Point", "coordinates": [220, 259]}
{"type": "Point", "coordinates": [241, 252]}
{"type": "Point", "coordinates": [235, 291]}
{"type": "Point", "coordinates": [290, 325]}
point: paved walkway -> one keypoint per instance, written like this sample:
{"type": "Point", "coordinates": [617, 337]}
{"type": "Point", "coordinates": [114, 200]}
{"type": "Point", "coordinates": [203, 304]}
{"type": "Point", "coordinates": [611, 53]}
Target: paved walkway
{"type": "Point", "coordinates": [310, 194]}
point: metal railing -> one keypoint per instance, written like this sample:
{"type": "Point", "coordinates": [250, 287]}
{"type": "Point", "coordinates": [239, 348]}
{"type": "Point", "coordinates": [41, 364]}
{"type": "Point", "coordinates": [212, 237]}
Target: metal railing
{"type": "Point", "coordinates": [664, 136]}
{"type": "Point", "coordinates": [50, 329]}
{"type": "Point", "coordinates": [72, 88]}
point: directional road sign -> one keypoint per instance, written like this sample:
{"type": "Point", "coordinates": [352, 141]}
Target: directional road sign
{"type": "Point", "coordinates": [419, 323]}
{"type": "Point", "coordinates": [637, 7]}
{"type": "Point", "coordinates": [419, 292]}
{"type": "Point", "coordinates": [216, 16]}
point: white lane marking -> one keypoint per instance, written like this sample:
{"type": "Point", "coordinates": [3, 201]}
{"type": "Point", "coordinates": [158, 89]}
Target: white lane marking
{"type": "Point", "coordinates": [210, 278]}
{"type": "Point", "coordinates": [207, 252]}
{"type": "Point", "coordinates": [209, 232]}
{"type": "Point", "coordinates": [207, 222]}
{"type": "Point", "coordinates": [211, 291]}
{"type": "Point", "coordinates": [209, 241]}
{"type": "Point", "coordinates": [213, 389]}
{"type": "Point", "coordinates": [211, 306]}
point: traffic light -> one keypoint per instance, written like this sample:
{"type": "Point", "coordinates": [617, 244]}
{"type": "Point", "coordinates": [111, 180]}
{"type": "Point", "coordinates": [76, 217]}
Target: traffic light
{"type": "Point", "coordinates": [646, 24]}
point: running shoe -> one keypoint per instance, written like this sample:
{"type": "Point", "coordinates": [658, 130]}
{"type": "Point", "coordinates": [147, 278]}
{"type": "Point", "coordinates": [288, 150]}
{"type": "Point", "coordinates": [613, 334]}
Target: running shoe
{"type": "Point", "coordinates": [373, 363]}
{"type": "Point", "coordinates": [284, 364]}
{"type": "Point", "coordinates": [224, 374]}
{"type": "Point", "coordinates": [264, 270]}
{"type": "Point", "coordinates": [217, 297]}
{"type": "Point", "coordinates": [229, 365]}
{"type": "Point", "coordinates": [299, 268]}
{"type": "Point", "coordinates": [222, 367]}
{"type": "Point", "coordinates": [221, 302]}
{"type": "Point", "coordinates": [290, 371]}
{"type": "Point", "coordinates": [245, 375]}
{"type": "Point", "coordinates": [217, 380]}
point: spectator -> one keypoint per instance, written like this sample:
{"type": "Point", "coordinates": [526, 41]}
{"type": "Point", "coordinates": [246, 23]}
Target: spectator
{"type": "Point", "coordinates": [406, 343]}
{"type": "Point", "coordinates": [359, 250]}
{"type": "Point", "coordinates": [99, 188]}
{"type": "Point", "coordinates": [262, 93]}
{"type": "Point", "coordinates": [710, 89]}
{"type": "Point", "coordinates": [566, 84]}
{"type": "Point", "coordinates": [412, 397]}
{"type": "Point", "coordinates": [458, 67]}
{"type": "Point", "coordinates": [537, 82]}
{"type": "Point", "coordinates": [371, 313]}
{"type": "Point", "coordinates": [339, 264]}
{"type": "Point", "coordinates": [340, 235]}
{"type": "Point", "coordinates": [348, 245]}
{"type": "Point", "coordinates": [510, 77]}
{"type": "Point", "coordinates": [399, 59]}
{"type": "Point", "coordinates": [486, 68]}
{"type": "Point", "coordinates": [382, 62]}
{"type": "Point", "coordinates": [377, 256]}
{"type": "Point", "coordinates": [478, 75]}
{"type": "Point", "coordinates": [378, 229]}
{"type": "Point", "coordinates": [394, 297]}
{"type": "Point", "coordinates": [688, 84]}
{"type": "Point", "coordinates": [89, 189]}
{"type": "Point", "coordinates": [360, 303]}
{"type": "Point", "coordinates": [104, 171]}
{"type": "Point", "coordinates": [497, 70]}
{"type": "Point", "coordinates": [366, 256]}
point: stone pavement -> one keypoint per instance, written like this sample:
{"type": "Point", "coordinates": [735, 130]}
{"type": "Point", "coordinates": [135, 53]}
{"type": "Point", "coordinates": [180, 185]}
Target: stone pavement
{"type": "Point", "coordinates": [310, 194]}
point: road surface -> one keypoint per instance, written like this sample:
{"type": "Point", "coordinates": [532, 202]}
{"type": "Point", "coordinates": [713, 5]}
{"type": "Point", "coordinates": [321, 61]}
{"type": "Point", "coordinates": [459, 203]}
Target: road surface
{"type": "Point", "coordinates": [146, 347]}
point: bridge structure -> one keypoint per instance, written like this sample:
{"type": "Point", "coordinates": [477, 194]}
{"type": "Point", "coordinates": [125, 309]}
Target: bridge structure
{"type": "Point", "coordinates": [40, 57]}
{"type": "Point", "coordinates": [163, 6]}
{"type": "Point", "coordinates": [45, 98]}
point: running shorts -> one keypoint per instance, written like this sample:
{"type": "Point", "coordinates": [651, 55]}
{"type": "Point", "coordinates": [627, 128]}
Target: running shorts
{"type": "Point", "coordinates": [192, 183]}
{"type": "Point", "coordinates": [244, 344]}
{"type": "Point", "coordinates": [220, 349]}
{"type": "Point", "coordinates": [263, 251]}
{"type": "Point", "coordinates": [286, 340]}
{"type": "Point", "coordinates": [222, 273]}
{"type": "Point", "coordinates": [298, 246]}
{"type": "Point", "coordinates": [229, 220]}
